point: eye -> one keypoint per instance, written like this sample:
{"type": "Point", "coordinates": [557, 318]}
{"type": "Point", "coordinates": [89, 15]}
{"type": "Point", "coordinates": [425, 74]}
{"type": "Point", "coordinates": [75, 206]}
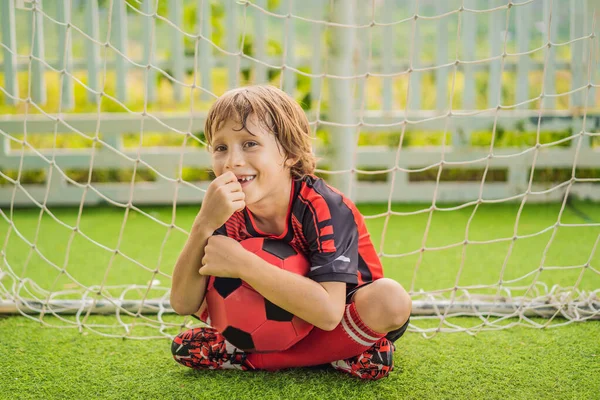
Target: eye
{"type": "Point", "coordinates": [220, 148]}
{"type": "Point", "coordinates": [250, 144]}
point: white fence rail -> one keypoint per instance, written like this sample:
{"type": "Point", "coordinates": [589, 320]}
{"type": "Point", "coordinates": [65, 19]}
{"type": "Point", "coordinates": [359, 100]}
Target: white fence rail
{"type": "Point", "coordinates": [167, 162]}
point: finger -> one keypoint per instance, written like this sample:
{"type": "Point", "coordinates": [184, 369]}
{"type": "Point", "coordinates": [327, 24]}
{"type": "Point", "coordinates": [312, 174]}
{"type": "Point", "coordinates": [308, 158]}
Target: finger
{"type": "Point", "coordinates": [226, 177]}
{"type": "Point", "coordinates": [234, 186]}
{"type": "Point", "coordinates": [239, 205]}
{"type": "Point", "coordinates": [237, 196]}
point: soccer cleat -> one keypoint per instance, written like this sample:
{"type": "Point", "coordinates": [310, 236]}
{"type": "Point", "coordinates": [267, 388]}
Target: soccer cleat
{"type": "Point", "coordinates": [206, 348]}
{"type": "Point", "coordinates": [374, 363]}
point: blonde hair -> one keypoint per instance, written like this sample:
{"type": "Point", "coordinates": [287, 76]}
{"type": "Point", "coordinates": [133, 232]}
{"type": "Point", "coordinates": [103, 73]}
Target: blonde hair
{"type": "Point", "coordinates": [277, 112]}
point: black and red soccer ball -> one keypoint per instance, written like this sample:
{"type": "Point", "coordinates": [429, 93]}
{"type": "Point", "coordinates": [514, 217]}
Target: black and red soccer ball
{"type": "Point", "coordinates": [244, 317]}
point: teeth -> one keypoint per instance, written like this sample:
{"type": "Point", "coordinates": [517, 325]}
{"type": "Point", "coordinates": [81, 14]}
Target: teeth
{"type": "Point", "coordinates": [247, 178]}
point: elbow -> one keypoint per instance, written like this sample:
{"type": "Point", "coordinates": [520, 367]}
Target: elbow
{"type": "Point", "coordinates": [330, 323]}
{"type": "Point", "coordinates": [180, 308]}
{"type": "Point", "coordinates": [177, 308]}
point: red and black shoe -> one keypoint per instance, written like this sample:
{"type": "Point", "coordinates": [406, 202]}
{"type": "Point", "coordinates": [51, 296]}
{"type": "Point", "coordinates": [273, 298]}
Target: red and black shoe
{"type": "Point", "coordinates": [206, 348]}
{"type": "Point", "coordinates": [375, 363]}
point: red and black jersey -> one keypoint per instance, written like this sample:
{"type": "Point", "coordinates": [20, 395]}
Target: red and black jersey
{"type": "Point", "coordinates": [326, 227]}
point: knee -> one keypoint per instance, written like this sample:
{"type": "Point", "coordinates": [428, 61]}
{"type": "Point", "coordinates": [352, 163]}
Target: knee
{"type": "Point", "coordinates": [396, 302]}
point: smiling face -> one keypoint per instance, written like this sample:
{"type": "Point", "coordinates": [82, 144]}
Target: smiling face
{"type": "Point", "coordinates": [256, 159]}
{"type": "Point", "coordinates": [279, 113]}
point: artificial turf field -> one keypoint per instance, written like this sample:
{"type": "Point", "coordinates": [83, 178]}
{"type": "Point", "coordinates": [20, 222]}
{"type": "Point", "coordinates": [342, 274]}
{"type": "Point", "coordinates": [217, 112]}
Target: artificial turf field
{"type": "Point", "coordinates": [561, 362]}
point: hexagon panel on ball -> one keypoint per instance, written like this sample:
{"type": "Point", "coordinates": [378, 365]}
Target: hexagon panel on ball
{"type": "Point", "coordinates": [276, 313]}
{"type": "Point", "coordinates": [240, 339]}
{"type": "Point", "coordinates": [278, 248]}
{"type": "Point", "coordinates": [226, 286]}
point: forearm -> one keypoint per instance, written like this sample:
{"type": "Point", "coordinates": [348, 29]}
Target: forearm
{"type": "Point", "coordinates": [295, 293]}
{"type": "Point", "coordinates": [188, 286]}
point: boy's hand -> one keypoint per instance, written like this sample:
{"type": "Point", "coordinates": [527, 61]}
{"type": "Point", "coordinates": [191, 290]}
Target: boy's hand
{"type": "Point", "coordinates": [223, 197]}
{"type": "Point", "coordinates": [223, 257]}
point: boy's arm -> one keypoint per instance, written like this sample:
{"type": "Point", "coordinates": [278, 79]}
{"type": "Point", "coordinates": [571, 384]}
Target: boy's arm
{"type": "Point", "coordinates": [320, 304]}
{"type": "Point", "coordinates": [188, 286]}
{"type": "Point", "coordinates": [224, 196]}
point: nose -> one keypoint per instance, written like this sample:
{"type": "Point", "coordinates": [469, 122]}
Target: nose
{"type": "Point", "coordinates": [235, 158]}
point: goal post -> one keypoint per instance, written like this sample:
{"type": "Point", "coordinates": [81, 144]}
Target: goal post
{"type": "Point", "coordinates": [466, 131]}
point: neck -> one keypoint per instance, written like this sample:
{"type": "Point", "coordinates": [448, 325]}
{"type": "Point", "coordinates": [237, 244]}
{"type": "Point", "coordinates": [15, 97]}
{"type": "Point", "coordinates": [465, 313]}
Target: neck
{"type": "Point", "coordinates": [270, 211]}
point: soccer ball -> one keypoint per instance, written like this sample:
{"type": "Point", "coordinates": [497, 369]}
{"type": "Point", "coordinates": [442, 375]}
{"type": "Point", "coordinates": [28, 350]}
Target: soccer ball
{"type": "Point", "coordinates": [248, 320]}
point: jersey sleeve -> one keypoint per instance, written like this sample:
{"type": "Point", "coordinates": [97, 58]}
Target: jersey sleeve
{"type": "Point", "coordinates": [332, 236]}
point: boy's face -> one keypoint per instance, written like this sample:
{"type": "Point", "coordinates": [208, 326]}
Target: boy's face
{"type": "Point", "coordinates": [256, 159]}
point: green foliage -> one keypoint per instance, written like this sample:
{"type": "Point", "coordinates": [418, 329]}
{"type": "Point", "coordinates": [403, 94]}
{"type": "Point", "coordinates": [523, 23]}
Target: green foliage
{"type": "Point", "coordinates": [217, 13]}
{"type": "Point", "coordinates": [556, 175]}
{"type": "Point", "coordinates": [273, 5]}
{"type": "Point", "coordinates": [111, 175]}
{"type": "Point", "coordinates": [190, 174]}
{"type": "Point", "coordinates": [303, 84]}
{"type": "Point", "coordinates": [459, 175]}
{"type": "Point", "coordinates": [41, 141]}
{"type": "Point", "coordinates": [159, 139]}
{"type": "Point", "coordinates": [37, 176]}
{"type": "Point", "coordinates": [411, 139]}
{"type": "Point", "coordinates": [505, 138]}
{"type": "Point", "coordinates": [379, 177]}
{"type": "Point", "coordinates": [137, 5]}
{"type": "Point", "coordinates": [323, 138]}
{"type": "Point", "coordinates": [164, 88]}
{"type": "Point", "coordinates": [46, 141]}
{"type": "Point", "coordinates": [274, 48]}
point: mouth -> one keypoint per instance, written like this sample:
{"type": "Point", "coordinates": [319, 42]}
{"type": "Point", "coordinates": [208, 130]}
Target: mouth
{"type": "Point", "coordinates": [245, 180]}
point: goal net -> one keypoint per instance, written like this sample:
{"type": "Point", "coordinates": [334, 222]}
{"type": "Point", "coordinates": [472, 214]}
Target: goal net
{"type": "Point", "coordinates": [467, 132]}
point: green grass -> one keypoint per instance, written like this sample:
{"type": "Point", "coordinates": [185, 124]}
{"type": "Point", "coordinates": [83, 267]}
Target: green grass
{"type": "Point", "coordinates": [519, 363]}
{"type": "Point", "coordinates": [562, 362]}
{"type": "Point", "coordinates": [156, 247]}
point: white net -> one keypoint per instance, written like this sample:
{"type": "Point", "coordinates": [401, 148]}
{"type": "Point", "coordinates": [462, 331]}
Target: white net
{"type": "Point", "coordinates": [466, 130]}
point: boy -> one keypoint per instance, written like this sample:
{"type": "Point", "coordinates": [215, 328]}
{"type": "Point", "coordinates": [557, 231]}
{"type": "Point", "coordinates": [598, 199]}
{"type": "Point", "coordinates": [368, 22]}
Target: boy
{"type": "Point", "coordinates": [259, 139]}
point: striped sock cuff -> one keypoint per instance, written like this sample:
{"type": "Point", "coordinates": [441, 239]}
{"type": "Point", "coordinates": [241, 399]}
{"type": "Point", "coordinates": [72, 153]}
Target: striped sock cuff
{"type": "Point", "coordinates": [357, 329]}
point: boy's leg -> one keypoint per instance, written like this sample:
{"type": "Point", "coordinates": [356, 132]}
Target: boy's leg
{"type": "Point", "coordinates": [350, 338]}
{"type": "Point", "coordinates": [377, 361]}
{"type": "Point", "coordinates": [372, 312]}
{"type": "Point", "coordinates": [383, 304]}
{"type": "Point", "coordinates": [205, 348]}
